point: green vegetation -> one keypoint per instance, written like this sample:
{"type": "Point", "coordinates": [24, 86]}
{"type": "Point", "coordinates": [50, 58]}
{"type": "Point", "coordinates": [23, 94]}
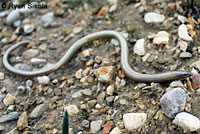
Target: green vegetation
{"type": "Point", "coordinates": [27, 1]}
{"type": "Point", "coordinates": [93, 3]}
{"type": "Point", "coordinates": [192, 3]}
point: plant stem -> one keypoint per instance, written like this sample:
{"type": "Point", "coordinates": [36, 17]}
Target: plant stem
{"type": "Point", "coordinates": [65, 127]}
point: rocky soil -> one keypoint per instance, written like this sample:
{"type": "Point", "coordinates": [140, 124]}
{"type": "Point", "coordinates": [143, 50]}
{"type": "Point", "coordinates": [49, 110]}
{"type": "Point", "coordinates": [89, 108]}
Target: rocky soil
{"type": "Point", "coordinates": [162, 36]}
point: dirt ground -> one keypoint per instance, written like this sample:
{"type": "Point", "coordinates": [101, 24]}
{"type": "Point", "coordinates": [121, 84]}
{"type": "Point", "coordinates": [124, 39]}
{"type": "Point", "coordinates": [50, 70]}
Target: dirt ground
{"type": "Point", "coordinates": [126, 18]}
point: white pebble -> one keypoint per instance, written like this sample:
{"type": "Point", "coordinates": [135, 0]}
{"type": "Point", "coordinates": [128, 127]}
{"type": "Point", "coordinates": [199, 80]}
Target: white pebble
{"type": "Point", "coordinates": [43, 80]}
{"type": "Point", "coordinates": [134, 120]}
{"type": "Point", "coordinates": [183, 33]}
{"type": "Point", "coordinates": [72, 110]}
{"type": "Point", "coordinates": [183, 45]}
{"type": "Point", "coordinates": [182, 19]}
{"type": "Point", "coordinates": [110, 90]}
{"type": "Point", "coordinates": [139, 47]}
{"type": "Point", "coordinates": [38, 61]}
{"type": "Point", "coordinates": [28, 29]}
{"type": "Point", "coordinates": [2, 76]}
{"type": "Point", "coordinates": [161, 38]}
{"type": "Point", "coordinates": [152, 17]}
{"type": "Point", "coordinates": [187, 121]}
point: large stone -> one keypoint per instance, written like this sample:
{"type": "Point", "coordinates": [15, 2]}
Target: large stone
{"type": "Point", "coordinates": [187, 121]}
{"type": "Point", "coordinates": [173, 102]}
{"type": "Point", "coordinates": [133, 121]}
{"type": "Point", "coordinates": [39, 110]}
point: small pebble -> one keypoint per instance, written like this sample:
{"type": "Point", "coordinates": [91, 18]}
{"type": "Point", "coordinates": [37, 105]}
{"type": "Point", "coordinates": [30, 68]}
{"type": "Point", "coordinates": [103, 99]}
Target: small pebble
{"type": "Point", "coordinates": [139, 47]}
{"type": "Point", "coordinates": [77, 30]}
{"type": "Point", "coordinates": [9, 99]}
{"type": "Point", "coordinates": [103, 12]}
{"type": "Point", "coordinates": [38, 61]}
{"type": "Point", "coordinates": [115, 42]}
{"type": "Point", "coordinates": [198, 91]}
{"type": "Point", "coordinates": [195, 81]}
{"type": "Point", "coordinates": [78, 74]}
{"type": "Point", "coordinates": [23, 67]}
{"type": "Point", "coordinates": [30, 53]}
{"type": "Point", "coordinates": [48, 18]}
{"type": "Point", "coordinates": [110, 90]}
{"type": "Point", "coordinates": [2, 128]}
{"type": "Point", "coordinates": [183, 45]}
{"type": "Point", "coordinates": [17, 23]}
{"type": "Point", "coordinates": [72, 110]}
{"type": "Point", "coordinates": [39, 110]}
{"type": "Point", "coordinates": [95, 126]}
{"type": "Point", "coordinates": [2, 76]}
{"type": "Point", "coordinates": [161, 38]}
{"type": "Point", "coordinates": [176, 84]}
{"type": "Point", "coordinates": [28, 29]}
{"type": "Point", "coordinates": [9, 117]}
{"type": "Point", "coordinates": [92, 103]}
{"type": "Point", "coordinates": [86, 92]}
{"type": "Point", "coordinates": [22, 121]}
{"type": "Point", "coordinates": [101, 97]}
{"type": "Point", "coordinates": [183, 33]}
{"type": "Point", "coordinates": [107, 127]}
{"type": "Point", "coordinates": [185, 55]}
{"type": "Point", "coordinates": [133, 121]}
{"type": "Point", "coordinates": [44, 80]}
{"type": "Point", "coordinates": [105, 74]}
{"type": "Point", "coordinates": [152, 17]}
{"type": "Point", "coordinates": [77, 94]}
{"type": "Point", "coordinates": [110, 99]}
{"type": "Point", "coordinates": [11, 108]}
{"type": "Point", "coordinates": [85, 123]}
{"type": "Point", "coordinates": [116, 130]}
{"type": "Point", "coordinates": [187, 121]}
{"type": "Point", "coordinates": [182, 19]}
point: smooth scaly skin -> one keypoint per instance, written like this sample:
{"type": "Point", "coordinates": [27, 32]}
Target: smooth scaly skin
{"type": "Point", "coordinates": [102, 34]}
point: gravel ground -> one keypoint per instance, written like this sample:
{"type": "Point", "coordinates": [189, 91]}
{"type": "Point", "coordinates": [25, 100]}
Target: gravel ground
{"type": "Point", "coordinates": [162, 36]}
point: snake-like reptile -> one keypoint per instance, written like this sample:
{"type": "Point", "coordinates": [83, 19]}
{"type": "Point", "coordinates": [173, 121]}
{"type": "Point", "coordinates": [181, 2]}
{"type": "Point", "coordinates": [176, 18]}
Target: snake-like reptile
{"type": "Point", "coordinates": [129, 72]}
{"type": "Point", "coordinates": [136, 76]}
